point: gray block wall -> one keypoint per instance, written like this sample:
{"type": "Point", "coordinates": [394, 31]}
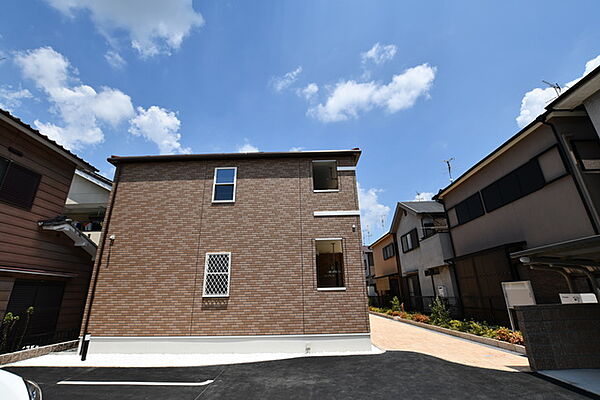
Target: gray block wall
{"type": "Point", "coordinates": [561, 336]}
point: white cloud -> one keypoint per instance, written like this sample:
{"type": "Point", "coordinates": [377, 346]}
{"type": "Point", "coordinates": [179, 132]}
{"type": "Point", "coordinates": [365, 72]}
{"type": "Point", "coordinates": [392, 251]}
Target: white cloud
{"type": "Point", "coordinates": [11, 98]}
{"type": "Point", "coordinates": [309, 91]}
{"type": "Point", "coordinates": [373, 215]}
{"type": "Point", "coordinates": [349, 98]}
{"type": "Point", "coordinates": [153, 26]}
{"type": "Point", "coordinates": [114, 59]}
{"type": "Point", "coordinates": [296, 148]}
{"type": "Point", "coordinates": [283, 82]}
{"type": "Point", "coordinates": [535, 101]}
{"type": "Point", "coordinates": [160, 126]}
{"type": "Point", "coordinates": [247, 148]}
{"type": "Point", "coordinates": [423, 196]}
{"type": "Point", "coordinates": [82, 109]}
{"type": "Point", "coordinates": [379, 54]}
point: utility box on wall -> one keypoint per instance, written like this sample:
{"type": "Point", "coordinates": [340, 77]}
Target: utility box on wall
{"type": "Point", "coordinates": [577, 298]}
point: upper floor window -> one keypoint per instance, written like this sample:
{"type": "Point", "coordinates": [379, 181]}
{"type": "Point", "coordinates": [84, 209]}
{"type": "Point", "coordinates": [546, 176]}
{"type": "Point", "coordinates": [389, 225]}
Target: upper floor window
{"type": "Point", "coordinates": [524, 180]}
{"type": "Point", "coordinates": [224, 185]}
{"type": "Point", "coordinates": [409, 241]}
{"type": "Point", "coordinates": [389, 251]}
{"type": "Point", "coordinates": [469, 209]}
{"type": "Point", "coordinates": [217, 275]}
{"type": "Point", "coordinates": [18, 185]}
{"type": "Point", "coordinates": [325, 176]}
{"type": "Point", "coordinates": [432, 225]}
{"type": "Point", "coordinates": [587, 153]}
{"type": "Point", "coordinates": [330, 264]}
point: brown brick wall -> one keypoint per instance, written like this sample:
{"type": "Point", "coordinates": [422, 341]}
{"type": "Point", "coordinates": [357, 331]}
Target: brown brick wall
{"type": "Point", "coordinates": [150, 279]}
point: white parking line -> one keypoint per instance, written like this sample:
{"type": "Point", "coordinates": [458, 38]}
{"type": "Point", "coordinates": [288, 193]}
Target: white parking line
{"type": "Point", "coordinates": [134, 383]}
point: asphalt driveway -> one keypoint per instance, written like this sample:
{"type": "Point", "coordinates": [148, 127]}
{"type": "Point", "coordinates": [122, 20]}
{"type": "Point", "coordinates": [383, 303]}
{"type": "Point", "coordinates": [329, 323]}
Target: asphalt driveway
{"type": "Point", "coordinates": [395, 374]}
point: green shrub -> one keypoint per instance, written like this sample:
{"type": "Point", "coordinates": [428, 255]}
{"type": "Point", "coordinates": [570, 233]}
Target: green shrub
{"type": "Point", "coordinates": [396, 305]}
{"type": "Point", "coordinates": [457, 325]}
{"type": "Point", "coordinates": [440, 315]}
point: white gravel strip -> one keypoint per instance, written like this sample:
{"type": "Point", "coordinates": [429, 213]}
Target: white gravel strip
{"type": "Point", "coordinates": [71, 359]}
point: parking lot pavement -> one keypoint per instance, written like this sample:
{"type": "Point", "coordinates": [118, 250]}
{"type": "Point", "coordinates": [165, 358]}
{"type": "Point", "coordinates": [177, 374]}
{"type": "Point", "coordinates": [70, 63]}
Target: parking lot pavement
{"type": "Point", "coordinates": [400, 374]}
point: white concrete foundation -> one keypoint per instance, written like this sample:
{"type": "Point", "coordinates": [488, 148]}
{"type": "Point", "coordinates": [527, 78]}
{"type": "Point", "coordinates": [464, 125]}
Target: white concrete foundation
{"type": "Point", "coordinates": [230, 344]}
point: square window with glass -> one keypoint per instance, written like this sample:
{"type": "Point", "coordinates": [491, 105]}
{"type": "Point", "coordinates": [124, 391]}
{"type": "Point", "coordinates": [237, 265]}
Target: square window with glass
{"type": "Point", "coordinates": [409, 241]}
{"type": "Point", "coordinates": [224, 185]}
{"type": "Point", "coordinates": [325, 176]}
{"type": "Point", "coordinates": [18, 185]}
{"type": "Point", "coordinates": [217, 275]}
{"type": "Point", "coordinates": [330, 264]}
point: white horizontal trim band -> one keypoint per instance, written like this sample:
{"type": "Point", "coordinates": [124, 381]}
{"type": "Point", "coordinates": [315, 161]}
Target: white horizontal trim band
{"type": "Point", "coordinates": [135, 383]}
{"type": "Point", "coordinates": [346, 168]}
{"type": "Point", "coordinates": [337, 213]}
{"type": "Point", "coordinates": [331, 289]}
{"type": "Point", "coordinates": [250, 337]}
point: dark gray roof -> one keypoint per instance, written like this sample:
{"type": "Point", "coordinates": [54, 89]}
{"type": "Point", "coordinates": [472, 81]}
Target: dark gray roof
{"type": "Point", "coordinates": [80, 162]}
{"type": "Point", "coordinates": [421, 207]}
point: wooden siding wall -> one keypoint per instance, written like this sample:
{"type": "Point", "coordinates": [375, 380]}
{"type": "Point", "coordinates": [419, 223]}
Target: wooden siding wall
{"type": "Point", "coordinates": [6, 285]}
{"type": "Point", "coordinates": [24, 244]}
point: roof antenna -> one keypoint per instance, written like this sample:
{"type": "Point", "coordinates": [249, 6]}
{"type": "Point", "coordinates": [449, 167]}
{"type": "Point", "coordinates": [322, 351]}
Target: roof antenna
{"type": "Point", "coordinates": [367, 232]}
{"type": "Point", "coordinates": [448, 161]}
{"type": "Point", "coordinates": [554, 86]}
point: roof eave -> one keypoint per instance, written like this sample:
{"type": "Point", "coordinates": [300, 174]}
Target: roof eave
{"type": "Point", "coordinates": [115, 160]}
{"type": "Point", "coordinates": [39, 137]}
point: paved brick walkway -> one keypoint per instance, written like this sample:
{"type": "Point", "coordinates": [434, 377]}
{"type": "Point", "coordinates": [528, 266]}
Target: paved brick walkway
{"type": "Point", "coordinates": [394, 335]}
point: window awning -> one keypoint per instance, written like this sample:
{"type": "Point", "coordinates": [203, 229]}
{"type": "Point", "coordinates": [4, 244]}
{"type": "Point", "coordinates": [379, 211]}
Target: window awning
{"type": "Point", "coordinates": [34, 271]}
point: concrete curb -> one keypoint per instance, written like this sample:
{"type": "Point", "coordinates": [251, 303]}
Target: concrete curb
{"type": "Point", "coordinates": [517, 348]}
{"type": "Point", "coordinates": [36, 352]}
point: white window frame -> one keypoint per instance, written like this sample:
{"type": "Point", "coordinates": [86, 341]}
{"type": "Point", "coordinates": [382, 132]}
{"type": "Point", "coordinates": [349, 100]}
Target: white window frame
{"type": "Point", "coordinates": [334, 288]}
{"type": "Point", "coordinates": [338, 179]}
{"type": "Point", "coordinates": [216, 273]}
{"type": "Point", "coordinates": [215, 184]}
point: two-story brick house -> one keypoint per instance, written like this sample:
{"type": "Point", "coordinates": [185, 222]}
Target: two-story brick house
{"type": "Point", "coordinates": [242, 252]}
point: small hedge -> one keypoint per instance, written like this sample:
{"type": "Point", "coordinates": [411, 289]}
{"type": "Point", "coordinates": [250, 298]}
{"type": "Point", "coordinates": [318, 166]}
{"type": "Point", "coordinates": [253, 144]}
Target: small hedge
{"type": "Point", "coordinates": [440, 317]}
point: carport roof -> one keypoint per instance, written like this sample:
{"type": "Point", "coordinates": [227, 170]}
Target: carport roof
{"type": "Point", "coordinates": [583, 251]}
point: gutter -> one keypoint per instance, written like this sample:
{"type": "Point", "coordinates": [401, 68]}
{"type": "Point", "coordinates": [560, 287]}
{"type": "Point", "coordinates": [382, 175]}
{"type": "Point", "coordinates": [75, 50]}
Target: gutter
{"type": "Point", "coordinates": [85, 338]}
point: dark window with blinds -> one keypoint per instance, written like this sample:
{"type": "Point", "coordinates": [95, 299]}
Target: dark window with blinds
{"type": "Point", "coordinates": [388, 251]}
{"type": "Point", "coordinates": [522, 181]}
{"type": "Point", "coordinates": [409, 241]}
{"type": "Point", "coordinates": [18, 185]}
{"type": "Point", "coordinates": [469, 209]}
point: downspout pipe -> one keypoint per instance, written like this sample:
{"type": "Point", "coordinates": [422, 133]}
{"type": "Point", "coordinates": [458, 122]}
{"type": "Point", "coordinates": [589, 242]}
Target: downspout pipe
{"type": "Point", "coordinates": [85, 338]}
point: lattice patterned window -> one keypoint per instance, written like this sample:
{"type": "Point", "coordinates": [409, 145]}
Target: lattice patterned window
{"type": "Point", "coordinates": [216, 275]}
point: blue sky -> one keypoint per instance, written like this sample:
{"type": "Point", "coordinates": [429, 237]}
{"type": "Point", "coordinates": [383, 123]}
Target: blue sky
{"type": "Point", "coordinates": [410, 83]}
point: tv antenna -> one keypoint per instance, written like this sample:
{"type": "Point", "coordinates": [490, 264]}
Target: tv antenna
{"type": "Point", "coordinates": [367, 233]}
{"type": "Point", "coordinates": [554, 86]}
{"type": "Point", "coordinates": [448, 163]}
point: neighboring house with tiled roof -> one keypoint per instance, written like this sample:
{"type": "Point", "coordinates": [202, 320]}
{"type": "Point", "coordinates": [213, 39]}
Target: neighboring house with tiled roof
{"type": "Point", "coordinates": [45, 262]}
{"type": "Point", "coordinates": [424, 246]}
